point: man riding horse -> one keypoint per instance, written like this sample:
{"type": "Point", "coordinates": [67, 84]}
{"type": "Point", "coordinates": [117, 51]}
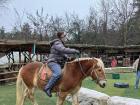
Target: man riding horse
{"type": "Point", "coordinates": [58, 53]}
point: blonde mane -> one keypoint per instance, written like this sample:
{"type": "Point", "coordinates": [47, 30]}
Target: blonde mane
{"type": "Point", "coordinates": [100, 62]}
{"type": "Point", "coordinates": [81, 59]}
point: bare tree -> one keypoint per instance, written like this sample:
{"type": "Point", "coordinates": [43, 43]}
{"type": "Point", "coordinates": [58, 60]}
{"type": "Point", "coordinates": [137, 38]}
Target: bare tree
{"type": "Point", "coordinates": [67, 21]}
{"type": "Point", "coordinates": [98, 21]}
{"type": "Point", "coordinates": [40, 23]}
{"type": "Point", "coordinates": [92, 19]}
{"type": "Point", "coordinates": [122, 13]}
{"type": "Point", "coordinates": [2, 33]}
{"type": "Point", "coordinates": [3, 2]}
{"type": "Point", "coordinates": [26, 31]}
{"type": "Point", "coordinates": [19, 19]}
{"type": "Point", "coordinates": [56, 24]}
{"type": "Point", "coordinates": [105, 8]}
{"type": "Point", "coordinates": [77, 27]}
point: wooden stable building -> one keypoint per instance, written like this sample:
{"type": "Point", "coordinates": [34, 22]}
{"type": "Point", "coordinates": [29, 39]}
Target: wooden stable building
{"type": "Point", "coordinates": [29, 49]}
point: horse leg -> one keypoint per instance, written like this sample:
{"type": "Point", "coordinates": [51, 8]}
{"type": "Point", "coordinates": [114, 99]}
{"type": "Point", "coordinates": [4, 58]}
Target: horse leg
{"type": "Point", "coordinates": [74, 94]}
{"type": "Point", "coordinates": [31, 96]}
{"type": "Point", "coordinates": [75, 99]}
{"type": "Point", "coordinates": [21, 91]}
{"type": "Point", "coordinates": [21, 96]}
{"type": "Point", "coordinates": [61, 98]}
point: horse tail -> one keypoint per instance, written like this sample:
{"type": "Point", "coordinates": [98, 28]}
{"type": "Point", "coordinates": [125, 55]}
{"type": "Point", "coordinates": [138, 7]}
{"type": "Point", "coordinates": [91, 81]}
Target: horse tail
{"type": "Point", "coordinates": [20, 89]}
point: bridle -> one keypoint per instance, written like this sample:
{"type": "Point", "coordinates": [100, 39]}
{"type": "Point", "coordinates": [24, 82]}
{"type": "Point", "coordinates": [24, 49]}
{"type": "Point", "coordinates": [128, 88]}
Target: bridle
{"type": "Point", "coordinates": [81, 69]}
{"type": "Point", "coordinates": [92, 68]}
{"type": "Point", "coordinates": [95, 72]}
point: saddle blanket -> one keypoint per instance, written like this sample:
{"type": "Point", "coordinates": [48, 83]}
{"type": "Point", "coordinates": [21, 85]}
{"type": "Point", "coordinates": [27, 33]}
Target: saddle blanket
{"type": "Point", "coordinates": [45, 72]}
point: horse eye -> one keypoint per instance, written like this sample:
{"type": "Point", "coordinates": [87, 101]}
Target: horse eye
{"type": "Point", "coordinates": [99, 70]}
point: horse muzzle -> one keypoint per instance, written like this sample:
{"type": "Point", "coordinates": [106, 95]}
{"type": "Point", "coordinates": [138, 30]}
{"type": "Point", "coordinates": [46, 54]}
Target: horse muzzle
{"type": "Point", "coordinates": [102, 83]}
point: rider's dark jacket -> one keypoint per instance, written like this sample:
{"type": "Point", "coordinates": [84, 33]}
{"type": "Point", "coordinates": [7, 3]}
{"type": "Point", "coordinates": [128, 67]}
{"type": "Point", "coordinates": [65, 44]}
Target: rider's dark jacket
{"type": "Point", "coordinates": [58, 51]}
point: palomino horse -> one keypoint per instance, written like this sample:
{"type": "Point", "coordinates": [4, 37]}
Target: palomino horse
{"type": "Point", "coordinates": [73, 74]}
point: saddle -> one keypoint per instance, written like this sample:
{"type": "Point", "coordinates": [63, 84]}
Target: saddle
{"type": "Point", "coordinates": [45, 72]}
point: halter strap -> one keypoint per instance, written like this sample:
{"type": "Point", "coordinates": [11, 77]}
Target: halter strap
{"type": "Point", "coordinates": [95, 73]}
{"type": "Point", "coordinates": [81, 69]}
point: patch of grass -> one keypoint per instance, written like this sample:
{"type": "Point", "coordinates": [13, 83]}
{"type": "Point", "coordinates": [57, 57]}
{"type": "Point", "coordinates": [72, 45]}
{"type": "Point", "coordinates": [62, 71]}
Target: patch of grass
{"type": "Point", "coordinates": [8, 93]}
{"type": "Point", "coordinates": [113, 91]}
{"type": "Point", "coordinates": [8, 97]}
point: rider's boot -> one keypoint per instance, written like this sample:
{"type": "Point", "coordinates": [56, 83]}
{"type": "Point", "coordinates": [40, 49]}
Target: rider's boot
{"type": "Point", "coordinates": [49, 86]}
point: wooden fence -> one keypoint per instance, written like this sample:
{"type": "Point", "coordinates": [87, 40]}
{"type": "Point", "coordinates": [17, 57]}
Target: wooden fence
{"type": "Point", "coordinates": [8, 76]}
{"type": "Point", "coordinates": [8, 72]}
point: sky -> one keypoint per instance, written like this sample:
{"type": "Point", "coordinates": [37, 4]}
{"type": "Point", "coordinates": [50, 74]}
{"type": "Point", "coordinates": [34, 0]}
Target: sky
{"type": "Point", "coordinates": [8, 17]}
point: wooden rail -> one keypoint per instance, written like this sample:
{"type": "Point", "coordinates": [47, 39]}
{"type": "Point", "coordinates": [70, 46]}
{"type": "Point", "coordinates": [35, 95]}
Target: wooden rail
{"type": "Point", "coordinates": [12, 72]}
{"type": "Point", "coordinates": [12, 78]}
{"type": "Point", "coordinates": [8, 72]}
{"type": "Point", "coordinates": [6, 76]}
{"type": "Point", "coordinates": [119, 70]}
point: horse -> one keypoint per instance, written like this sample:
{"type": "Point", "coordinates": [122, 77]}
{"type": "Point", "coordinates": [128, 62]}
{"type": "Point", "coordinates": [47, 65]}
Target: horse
{"type": "Point", "coordinates": [73, 74]}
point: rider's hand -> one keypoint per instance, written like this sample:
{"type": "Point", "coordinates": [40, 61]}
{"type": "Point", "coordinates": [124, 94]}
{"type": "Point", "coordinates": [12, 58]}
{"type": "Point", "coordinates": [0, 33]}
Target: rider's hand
{"type": "Point", "coordinates": [77, 51]}
{"type": "Point", "coordinates": [70, 59]}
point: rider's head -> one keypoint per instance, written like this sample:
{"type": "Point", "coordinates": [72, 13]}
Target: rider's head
{"type": "Point", "coordinates": [61, 36]}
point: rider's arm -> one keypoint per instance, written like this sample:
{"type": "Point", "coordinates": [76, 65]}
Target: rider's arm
{"type": "Point", "coordinates": [61, 48]}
